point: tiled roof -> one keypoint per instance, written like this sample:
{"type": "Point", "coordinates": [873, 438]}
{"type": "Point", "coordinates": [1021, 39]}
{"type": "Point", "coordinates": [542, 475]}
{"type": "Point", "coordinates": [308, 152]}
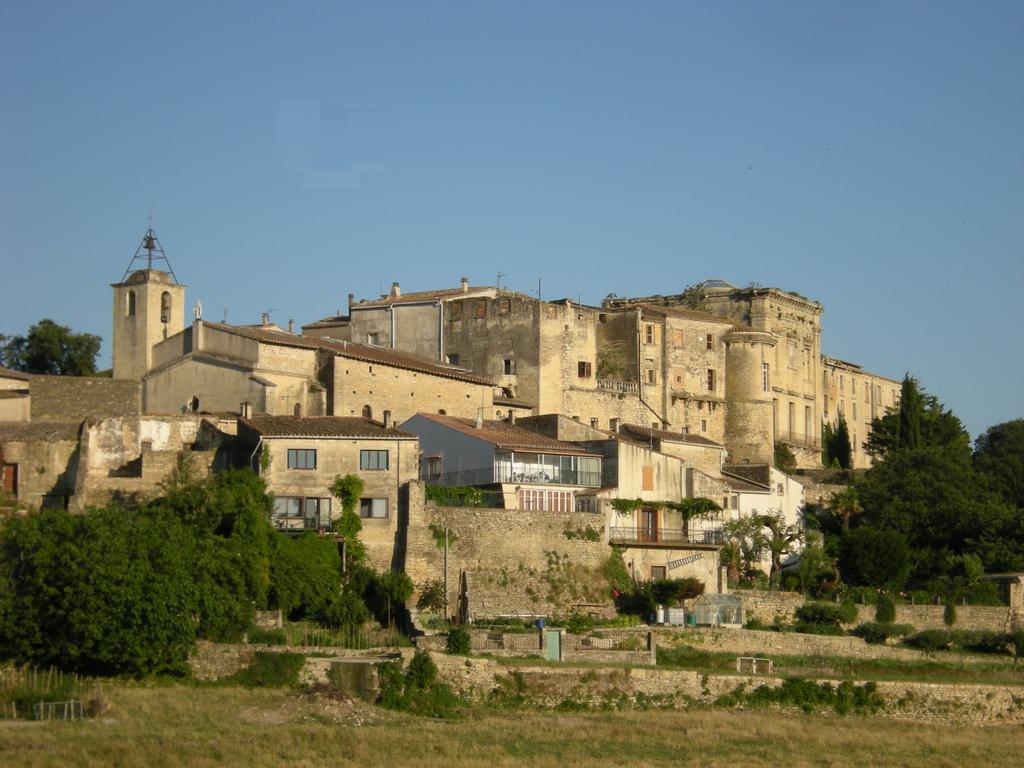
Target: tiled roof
{"type": "Point", "coordinates": [7, 373]}
{"type": "Point", "coordinates": [322, 426]}
{"type": "Point", "coordinates": [354, 351]}
{"type": "Point", "coordinates": [39, 430]}
{"type": "Point", "coordinates": [647, 433]}
{"type": "Point", "coordinates": [449, 294]}
{"type": "Point", "coordinates": [332, 321]}
{"type": "Point", "coordinates": [755, 473]}
{"type": "Point", "coordinates": [507, 436]}
{"type": "Point", "coordinates": [739, 484]}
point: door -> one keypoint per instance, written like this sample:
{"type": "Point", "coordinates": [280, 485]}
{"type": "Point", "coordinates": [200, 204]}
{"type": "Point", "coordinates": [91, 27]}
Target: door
{"type": "Point", "coordinates": [648, 524]}
{"type": "Point", "coordinates": [553, 645]}
{"type": "Point", "coordinates": [10, 479]}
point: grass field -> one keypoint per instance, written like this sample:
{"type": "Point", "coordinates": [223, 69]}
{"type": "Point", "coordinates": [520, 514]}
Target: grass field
{"type": "Point", "coordinates": [172, 725]}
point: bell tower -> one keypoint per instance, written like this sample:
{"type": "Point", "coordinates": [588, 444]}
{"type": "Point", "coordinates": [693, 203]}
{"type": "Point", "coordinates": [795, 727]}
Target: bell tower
{"type": "Point", "coordinates": [149, 306]}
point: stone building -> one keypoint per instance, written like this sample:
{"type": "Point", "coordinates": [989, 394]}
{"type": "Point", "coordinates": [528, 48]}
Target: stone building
{"type": "Point", "coordinates": [299, 458]}
{"type": "Point", "coordinates": [15, 395]}
{"type": "Point", "coordinates": [860, 397]}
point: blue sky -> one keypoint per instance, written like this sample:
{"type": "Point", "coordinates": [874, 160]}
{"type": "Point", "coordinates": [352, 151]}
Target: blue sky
{"type": "Point", "coordinates": [868, 155]}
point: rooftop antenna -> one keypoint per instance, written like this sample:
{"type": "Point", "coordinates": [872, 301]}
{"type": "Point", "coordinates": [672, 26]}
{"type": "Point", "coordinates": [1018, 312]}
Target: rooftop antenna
{"type": "Point", "coordinates": [266, 315]}
{"type": "Point", "coordinates": [153, 252]}
{"type": "Point", "coordinates": [500, 275]}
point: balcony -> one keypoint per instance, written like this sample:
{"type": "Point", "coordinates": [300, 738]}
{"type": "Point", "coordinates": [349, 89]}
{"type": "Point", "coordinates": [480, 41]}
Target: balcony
{"type": "Point", "coordinates": [798, 439]}
{"type": "Point", "coordinates": [669, 536]}
{"type": "Point", "coordinates": [616, 385]}
{"type": "Point", "coordinates": [537, 474]}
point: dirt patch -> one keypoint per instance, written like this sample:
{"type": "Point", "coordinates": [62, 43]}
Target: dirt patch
{"type": "Point", "coordinates": [315, 706]}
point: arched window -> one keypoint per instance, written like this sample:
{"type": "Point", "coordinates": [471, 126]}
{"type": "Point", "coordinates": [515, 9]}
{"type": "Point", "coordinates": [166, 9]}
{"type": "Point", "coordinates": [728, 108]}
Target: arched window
{"type": "Point", "coordinates": [193, 405]}
{"type": "Point", "coordinates": [131, 303]}
{"type": "Point", "coordinates": [443, 412]}
{"type": "Point", "coordinates": [298, 409]}
{"type": "Point", "coordinates": [367, 412]}
{"type": "Point", "coordinates": [165, 307]}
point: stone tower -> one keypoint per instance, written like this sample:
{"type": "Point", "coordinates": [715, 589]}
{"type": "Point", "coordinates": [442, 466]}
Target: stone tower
{"type": "Point", "coordinates": [749, 427]}
{"type": "Point", "coordinates": [149, 306]}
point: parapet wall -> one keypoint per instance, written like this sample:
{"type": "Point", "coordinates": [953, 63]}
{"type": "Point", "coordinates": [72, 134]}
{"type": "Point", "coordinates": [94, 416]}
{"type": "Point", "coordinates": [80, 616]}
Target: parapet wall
{"type": "Point", "coordinates": [77, 398]}
{"type": "Point", "coordinates": [518, 562]}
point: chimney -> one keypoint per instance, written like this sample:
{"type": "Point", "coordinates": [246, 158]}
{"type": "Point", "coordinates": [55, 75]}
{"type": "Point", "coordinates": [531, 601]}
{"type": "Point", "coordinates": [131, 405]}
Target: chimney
{"type": "Point", "coordinates": [614, 424]}
{"type": "Point", "coordinates": [387, 419]}
{"type": "Point", "coordinates": [479, 423]}
{"type": "Point", "coordinates": [351, 301]}
{"type": "Point", "coordinates": [464, 284]}
{"type": "Point", "coordinates": [264, 318]}
{"type": "Point", "coordinates": [246, 410]}
{"type": "Point", "coordinates": [396, 290]}
{"type": "Point", "coordinates": [511, 416]}
{"type": "Point", "coordinates": [291, 326]}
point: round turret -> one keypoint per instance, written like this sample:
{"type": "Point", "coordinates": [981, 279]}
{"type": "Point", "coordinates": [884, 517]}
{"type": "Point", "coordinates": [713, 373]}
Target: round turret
{"type": "Point", "coordinates": [749, 428]}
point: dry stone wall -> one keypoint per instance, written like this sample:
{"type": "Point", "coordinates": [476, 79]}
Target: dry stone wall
{"type": "Point", "coordinates": [518, 562]}
{"type": "Point", "coordinates": [77, 398]}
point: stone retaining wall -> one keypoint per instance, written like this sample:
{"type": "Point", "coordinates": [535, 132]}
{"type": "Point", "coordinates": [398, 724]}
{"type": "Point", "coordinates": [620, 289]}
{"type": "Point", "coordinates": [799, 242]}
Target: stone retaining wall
{"type": "Point", "coordinates": [77, 398]}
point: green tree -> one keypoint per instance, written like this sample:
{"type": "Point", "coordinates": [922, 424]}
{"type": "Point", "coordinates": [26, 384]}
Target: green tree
{"type": "Point", "coordinates": [828, 436]}
{"type": "Point", "coordinates": [110, 592]}
{"type": "Point", "coordinates": [841, 449]}
{"type": "Point", "coordinates": [844, 505]}
{"type": "Point", "coordinates": [999, 457]}
{"type": "Point", "coordinates": [784, 458]}
{"type": "Point", "coordinates": [778, 538]}
{"type": "Point", "coordinates": [938, 427]}
{"type": "Point", "coordinates": [911, 411]}
{"type": "Point", "coordinates": [50, 348]}
{"type": "Point", "coordinates": [874, 558]}
{"type": "Point", "coordinates": [348, 489]}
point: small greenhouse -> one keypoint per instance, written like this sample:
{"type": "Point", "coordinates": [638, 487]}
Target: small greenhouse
{"type": "Point", "coordinates": [718, 611]}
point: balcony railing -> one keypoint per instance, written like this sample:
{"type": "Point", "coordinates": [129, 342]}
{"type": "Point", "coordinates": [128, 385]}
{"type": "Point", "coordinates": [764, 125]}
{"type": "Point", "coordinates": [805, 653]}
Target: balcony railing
{"type": "Point", "coordinates": [797, 438]}
{"type": "Point", "coordinates": [634, 535]}
{"type": "Point", "coordinates": [539, 475]}
{"type": "Point", "coordinates": [616, 385]}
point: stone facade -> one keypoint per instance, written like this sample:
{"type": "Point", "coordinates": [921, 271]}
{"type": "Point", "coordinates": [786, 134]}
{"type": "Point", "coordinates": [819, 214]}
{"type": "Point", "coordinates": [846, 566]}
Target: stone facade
{"type": "Point", "coordinates": [77, 398]}
{"type": "Point", "coordinates": [860, 397]}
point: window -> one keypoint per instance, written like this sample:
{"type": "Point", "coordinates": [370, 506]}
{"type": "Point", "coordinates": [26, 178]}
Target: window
{"type": "Point", "coordinates": [711, 379]}
{"type": "Point", "coordinates": [373, 339]}
{"type": "Point", "coordinates": [433, 466]}
{"type": "Point", "coordinates": [453, 359]}
{"type": "Point", "coordinates": [508, 366]}
{"type": "Point", "coordinates": [648, 478]}
{"type": "Point", "coordinates": [652, 376]}
{"type": "Point", "coordinates": [373, 459]}
{"type": "Point", "coordinates": [807, 421]}
{"type": "Point", "coordinates": [764, 377]}
{"type": "Point", "coordinates": [456, 310]}
{"type": "Point", "coordinates": [657, 573]}
{"type": "Point", "coordinates": [648, 333]}
{"type": "Point", "coordinates": [367, 412]}
{"type": "Point", "coordinates": [504, 306]}
{"type": "Point", "coordinates": [301, 458]}
{"type": "Point", "coordinates": [710, 341]}
{"type": "Point", "coordinates": [480, 308]}
{"type": "Point", "coordinates": [853, 406]}
{"type": "Point", "coordinates": [677, 337]}
{"type": "Point", "coordinates": [376, 509]}
{"type": "Point", "coordinates": [602, 318]}
{"type": "Point", "coordinates": [791, 422]}
{"type": "Point", "coordinates": [131, 303]}
{"type": "Point", "coordinates": [584, 369]}
{"type": "Point", "coordinates": [780, 489]}
{"type": "Point", "coordinates": [594, 422]}
{"type": "Point", "coordinates": [703, 425]}
{"type": "Point", "coordinates": [165, 307]}
{"type": "Point", "coordinates": [842, 382]}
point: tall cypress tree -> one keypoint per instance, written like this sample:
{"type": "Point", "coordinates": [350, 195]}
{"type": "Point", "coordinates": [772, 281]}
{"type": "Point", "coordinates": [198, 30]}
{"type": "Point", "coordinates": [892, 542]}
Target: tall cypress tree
{"type": "Point", "coordinates": [911, 409]}
{"type": "Point", "coordinates": [840, 449]}
{"type": "Point", "coordinates": [827, 436]}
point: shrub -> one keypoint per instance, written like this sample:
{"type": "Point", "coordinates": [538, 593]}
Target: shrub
{"type": "Point", "coordinates": [878, 632]}
{"type": "Point", "coordinates": [343, 610]}
{"type": "Point", "coordinates": [828, 614]}
{"type": "Point", "coordinates": [268, 636]}
{"type": "Point", "coordinates": [417, 691]}
{"type": "Point", "coordinates": [809, 696]}
{"type": "Point", "coordinates": [669, 592]}
{"type": "Point", "coordinates": [862, 595]}
{"type": "Point", "coordinates": [304, 573]}
{"type": "Point", "coordinates": [432, 597]}
{"type": "Point", "coordinates": [949, 613]}
{"type": "Point", "coordinates": [270, 670]}
{"type": "Point", "coordinates": [458, 641]}
{"type": "Point", "coordinates": [982, 641]}
{"type": "Point", "coordinates": [930, 640]}
{"type": "Point", "coordinates": [885, 609]}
